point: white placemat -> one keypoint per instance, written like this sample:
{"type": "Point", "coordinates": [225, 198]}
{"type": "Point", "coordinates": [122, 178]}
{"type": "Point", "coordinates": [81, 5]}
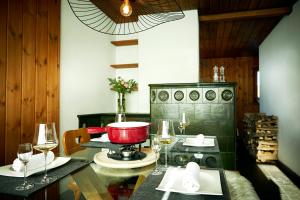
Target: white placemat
{"type": "Point", "coordinates": [8, 171]}
{"type": "Point", "coordinates": [210, 183]}
{"type": "Point", "coordinates": [208, 142]}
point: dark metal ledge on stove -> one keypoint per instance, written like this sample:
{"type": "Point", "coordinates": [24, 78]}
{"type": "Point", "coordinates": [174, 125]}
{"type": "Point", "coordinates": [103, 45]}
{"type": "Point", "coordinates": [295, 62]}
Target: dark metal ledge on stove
{"type": "Point", "coordinates": [196, 84]}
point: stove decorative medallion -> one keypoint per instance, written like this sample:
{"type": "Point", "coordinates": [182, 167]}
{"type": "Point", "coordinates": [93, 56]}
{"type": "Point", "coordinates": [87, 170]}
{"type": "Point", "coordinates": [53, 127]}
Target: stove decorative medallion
{"type": "Point", "coordinates": [178, 95]}
{"type": "Point", "coordinates": [227, 95]}
{"type": "Point", "coordinates": [194, 95]}
{"type": "Point", "coordinates": [163, 95]}
{"type": "Point", "coordinates": [210, 95]}
{"type": "Point", "coordinates": [153, 96]}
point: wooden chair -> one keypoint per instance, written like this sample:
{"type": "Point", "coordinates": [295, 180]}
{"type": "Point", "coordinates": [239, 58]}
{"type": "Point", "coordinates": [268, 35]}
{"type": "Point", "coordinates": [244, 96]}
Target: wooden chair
{"type": "Point", "coordinates": [71, 142]}
{"type": "Point", "coordinates": [73, 138]}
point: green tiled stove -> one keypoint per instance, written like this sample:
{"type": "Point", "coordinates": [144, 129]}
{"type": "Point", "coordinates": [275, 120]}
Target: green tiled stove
{"type": "Point", "coordinates": [209, 106]}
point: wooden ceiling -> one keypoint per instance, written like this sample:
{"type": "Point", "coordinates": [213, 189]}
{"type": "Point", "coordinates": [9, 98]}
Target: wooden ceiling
{"type": "Point", "coordinates": [234, 28]}
{"type": "Point", "coordinates": [139, 7]}
{"type": "Point", "coordinates": [228, 28]}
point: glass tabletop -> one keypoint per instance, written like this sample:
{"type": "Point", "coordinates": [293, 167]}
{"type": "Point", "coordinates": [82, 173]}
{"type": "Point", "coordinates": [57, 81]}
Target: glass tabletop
{"type": "Point", "coordinates": [94, 181]}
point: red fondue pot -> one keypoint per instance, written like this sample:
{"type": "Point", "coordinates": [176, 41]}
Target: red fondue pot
{"type": "Point", "coordinates": [128, 132]}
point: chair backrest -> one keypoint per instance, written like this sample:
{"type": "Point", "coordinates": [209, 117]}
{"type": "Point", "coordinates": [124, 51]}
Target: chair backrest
{"type": "Point", "coordinates": [73, 138]}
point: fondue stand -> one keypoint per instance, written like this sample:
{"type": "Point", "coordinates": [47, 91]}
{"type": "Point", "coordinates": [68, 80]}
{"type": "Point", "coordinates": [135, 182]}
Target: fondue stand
{"type": "Point", "coordinates": [104, 160]}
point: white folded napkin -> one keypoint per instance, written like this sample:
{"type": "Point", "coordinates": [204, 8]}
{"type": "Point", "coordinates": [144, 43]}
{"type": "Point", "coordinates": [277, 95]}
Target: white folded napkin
{"type": "Point", "coordinates": [191, 177]}
{"type": "Point", "coordinates": [103, 138]}
{"type": "Point", "coordinates": [36, 161]}
{"type": "Point", "coordinates": [199, 139]}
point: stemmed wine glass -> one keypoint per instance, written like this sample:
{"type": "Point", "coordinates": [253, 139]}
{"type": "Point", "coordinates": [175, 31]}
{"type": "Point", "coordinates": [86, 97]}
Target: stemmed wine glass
{"type": "Point", "coordinates": [166, 135]}
{"type": "Point", "coordinates": [24, 155]}
{"type": "Point", "coordinates": [156, 146]}
{"type": "Point", "coordinates": [183, 123]}
{"type": "Point", "coordinates": [120, 117]}
{"type": "Point", "coordinates": [45, 139]}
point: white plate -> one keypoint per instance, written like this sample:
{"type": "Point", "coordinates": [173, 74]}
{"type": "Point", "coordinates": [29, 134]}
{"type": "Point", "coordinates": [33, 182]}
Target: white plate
{"type": "Point", "coordinates": [210, 183]}
{"type": "Point", "coordinates": [208, 142]}
{"type": "Point", "coordinates": [8, 171]}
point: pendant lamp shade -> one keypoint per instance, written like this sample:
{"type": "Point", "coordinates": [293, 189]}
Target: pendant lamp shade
{"type": "Point", "coordinates": [123, 17]}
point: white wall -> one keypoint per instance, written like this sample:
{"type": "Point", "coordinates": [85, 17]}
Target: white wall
{"type": "Point", "coordinates": [279, 62]}
{"type": "Point", "coordinates": [168, 53]}
{"type": "Point", "coordinates": [85, 59]}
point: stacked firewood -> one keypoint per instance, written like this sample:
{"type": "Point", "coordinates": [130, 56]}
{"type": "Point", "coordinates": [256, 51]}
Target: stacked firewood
{"type": "Point", "coordinates": [260, 136]}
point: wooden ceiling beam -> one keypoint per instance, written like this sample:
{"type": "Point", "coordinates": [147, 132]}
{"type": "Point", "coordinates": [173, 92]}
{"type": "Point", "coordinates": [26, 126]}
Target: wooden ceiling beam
{"type": "Point", "coordinates": [271, 12]}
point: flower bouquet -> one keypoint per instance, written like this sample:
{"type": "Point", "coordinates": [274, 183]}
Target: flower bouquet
{"type": "Point", "coordinates": [122, 87]}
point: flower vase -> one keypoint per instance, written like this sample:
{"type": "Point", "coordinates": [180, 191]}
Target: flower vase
{"type": "Point", "coordinates": [121, 103]}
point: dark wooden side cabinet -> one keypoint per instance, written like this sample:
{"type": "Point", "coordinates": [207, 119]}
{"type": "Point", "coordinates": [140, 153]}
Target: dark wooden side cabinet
{"type": "Point", "coordinates": [102, 119]}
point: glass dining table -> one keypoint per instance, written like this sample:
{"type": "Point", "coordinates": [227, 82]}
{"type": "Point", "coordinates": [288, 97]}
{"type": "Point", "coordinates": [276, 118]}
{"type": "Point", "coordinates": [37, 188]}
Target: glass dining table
{"type": "Point", "coordinates": [93, 181]}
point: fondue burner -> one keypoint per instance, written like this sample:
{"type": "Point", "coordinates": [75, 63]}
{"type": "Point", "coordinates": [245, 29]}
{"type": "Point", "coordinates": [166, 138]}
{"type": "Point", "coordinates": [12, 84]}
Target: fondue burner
{"type": "Point", "coordinates": [126, 153]}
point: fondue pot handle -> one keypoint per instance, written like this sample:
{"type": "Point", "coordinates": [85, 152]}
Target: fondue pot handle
{"type": "Point", "coordinates": [95, 130]}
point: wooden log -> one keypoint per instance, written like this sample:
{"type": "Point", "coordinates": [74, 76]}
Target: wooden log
{"type": "Point", "coordinates": [267, 143]}
{"type": "Point", "coordinates": [265, 156]}
{"type": "Point", "coordinates": [267, 148]}
{"type": "Point", "coordinates": [267, 129]}
{"type": "Point", "coordinates": [266, 125]}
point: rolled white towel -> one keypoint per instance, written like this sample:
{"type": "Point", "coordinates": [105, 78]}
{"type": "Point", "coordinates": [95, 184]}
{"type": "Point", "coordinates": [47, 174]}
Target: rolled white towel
{"type": "Point", "coordinates": [191, 177]}
{"type": "Point", "coordinates": [36, 161]}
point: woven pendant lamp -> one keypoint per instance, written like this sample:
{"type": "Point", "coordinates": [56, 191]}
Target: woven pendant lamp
{"type": "Point", "coordinates": [123, 17]}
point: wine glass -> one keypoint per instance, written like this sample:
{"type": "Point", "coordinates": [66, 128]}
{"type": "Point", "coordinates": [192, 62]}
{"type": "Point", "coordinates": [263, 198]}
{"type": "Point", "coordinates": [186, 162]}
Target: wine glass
{"type": "Point", "coordinates": [45, 139]}
{"type": "Point", "coordinates": [156, 146]}
{"type": "Point", "coordinates": [24, 154]}
{"type": "Point", "coordinates": [166, 135]}
{"type": "Point", "coordinates": [120, 117]}
{"type": "Point", "coordinates": [184, 122]}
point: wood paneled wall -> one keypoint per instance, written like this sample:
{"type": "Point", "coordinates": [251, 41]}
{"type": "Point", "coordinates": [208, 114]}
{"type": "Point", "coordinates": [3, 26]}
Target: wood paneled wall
{"type": "Point", "coordinates": [241, 70]}
{"type": "Point", "coordinates": [29, 70]}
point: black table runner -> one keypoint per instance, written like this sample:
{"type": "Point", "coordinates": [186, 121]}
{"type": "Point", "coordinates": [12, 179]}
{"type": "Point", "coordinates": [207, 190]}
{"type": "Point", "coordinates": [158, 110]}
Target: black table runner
{"type": "Point", "coordinates": [96, 144]}
{"type": "Point", "coordinates": [8, 184]}
{"type": "Point", "coordinates": [106, 145]}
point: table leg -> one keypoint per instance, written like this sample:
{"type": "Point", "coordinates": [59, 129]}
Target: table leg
{"type": "Point", "coordinates": [91, 187]}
